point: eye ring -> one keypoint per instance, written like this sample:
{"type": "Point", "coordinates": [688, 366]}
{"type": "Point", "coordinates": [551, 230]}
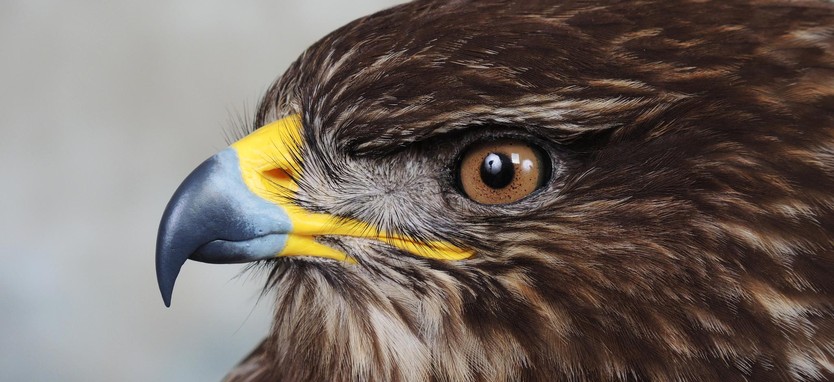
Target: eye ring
{"type": "Point", "coordinates": [502, 171]}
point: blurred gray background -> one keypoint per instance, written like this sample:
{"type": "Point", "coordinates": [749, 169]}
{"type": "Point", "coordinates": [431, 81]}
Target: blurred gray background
{"type": "Point", "coordinates": [104, 108]}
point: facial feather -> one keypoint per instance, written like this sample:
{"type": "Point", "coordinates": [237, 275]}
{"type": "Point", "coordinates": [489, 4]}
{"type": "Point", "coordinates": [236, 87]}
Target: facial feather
{"type": "Point", "coordinates": [687, 234]}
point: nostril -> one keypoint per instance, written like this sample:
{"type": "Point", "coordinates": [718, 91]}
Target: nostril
{"type": "Point", "coordinates": [279, 175]}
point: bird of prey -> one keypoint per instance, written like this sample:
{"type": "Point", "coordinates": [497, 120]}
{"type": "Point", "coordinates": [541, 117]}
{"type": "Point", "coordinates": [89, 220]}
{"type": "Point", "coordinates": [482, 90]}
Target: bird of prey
{"type": "Point", "coordinates": [560, 190]}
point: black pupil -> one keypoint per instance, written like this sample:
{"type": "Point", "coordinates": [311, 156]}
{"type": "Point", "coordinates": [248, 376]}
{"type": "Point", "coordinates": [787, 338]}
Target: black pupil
{"type": "Point", "coordinates": [497, 171]}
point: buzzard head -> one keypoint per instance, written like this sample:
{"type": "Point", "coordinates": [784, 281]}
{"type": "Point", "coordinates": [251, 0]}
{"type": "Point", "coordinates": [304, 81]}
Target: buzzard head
{"type": "Point", "coordinates": [536, 191]}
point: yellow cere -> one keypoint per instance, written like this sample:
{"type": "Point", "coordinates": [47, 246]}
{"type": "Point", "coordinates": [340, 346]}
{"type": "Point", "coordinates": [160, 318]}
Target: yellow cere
{"type": "Point", "coordinates": [268, 162]}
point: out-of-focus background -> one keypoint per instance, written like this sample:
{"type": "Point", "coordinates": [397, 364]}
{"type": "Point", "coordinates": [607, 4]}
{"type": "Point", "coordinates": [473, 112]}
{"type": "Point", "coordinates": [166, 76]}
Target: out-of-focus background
{"type": "Point", "coordinates": [104, 108]}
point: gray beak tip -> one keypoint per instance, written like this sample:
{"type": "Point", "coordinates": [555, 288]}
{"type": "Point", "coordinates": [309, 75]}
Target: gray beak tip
{"type": "Point", "coordinates": [166, 278]}
{"type": "Point", "coordinates": [180, 229]}
{"type": "Point", "coordinates": [214, 218]}
{"type": "Point", "coordinates": [169, 260]}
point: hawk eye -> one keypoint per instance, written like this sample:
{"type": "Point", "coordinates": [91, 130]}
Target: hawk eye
{"type": "Point", "coordinates": [502, 171]}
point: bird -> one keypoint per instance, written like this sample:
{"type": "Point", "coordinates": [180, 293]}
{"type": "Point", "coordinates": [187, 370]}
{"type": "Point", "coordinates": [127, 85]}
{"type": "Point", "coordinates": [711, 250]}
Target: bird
{"type": "Point", "coordinates": [538, 190]}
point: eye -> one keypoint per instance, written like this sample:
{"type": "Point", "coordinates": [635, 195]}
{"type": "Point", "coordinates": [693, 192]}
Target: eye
{"type": "Point", "coordinates": [502, 171]}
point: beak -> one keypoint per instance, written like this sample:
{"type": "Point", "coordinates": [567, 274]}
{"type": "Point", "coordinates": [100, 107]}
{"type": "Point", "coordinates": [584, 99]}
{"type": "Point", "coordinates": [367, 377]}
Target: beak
{"type": "Point", "coordinates": [236, 207]}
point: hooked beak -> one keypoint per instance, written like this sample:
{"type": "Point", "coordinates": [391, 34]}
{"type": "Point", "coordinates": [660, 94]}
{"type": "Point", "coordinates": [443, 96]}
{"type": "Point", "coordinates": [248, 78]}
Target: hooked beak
{"type": "Point", "coordinates": [236, 207]}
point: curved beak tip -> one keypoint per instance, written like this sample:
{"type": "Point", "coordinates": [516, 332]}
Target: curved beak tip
{"type": "Point", "coordinates": [166, 277]}
{"type": "Point", "coordinates": [168, 263]}
{"type": "Point", "coordinates": [180, 228]}
{"type": "Point", "coordinates": [213, 217]}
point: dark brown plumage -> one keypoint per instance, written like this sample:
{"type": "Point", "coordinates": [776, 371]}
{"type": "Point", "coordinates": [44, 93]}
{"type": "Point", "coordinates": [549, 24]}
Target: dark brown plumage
{"type": "Point", "coordinates": [686, 234]}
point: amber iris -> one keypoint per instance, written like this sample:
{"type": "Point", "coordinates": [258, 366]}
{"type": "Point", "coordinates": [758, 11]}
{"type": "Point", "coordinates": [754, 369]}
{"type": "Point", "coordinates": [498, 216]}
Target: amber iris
{"type": "Point", "coordinates": [501, 171]}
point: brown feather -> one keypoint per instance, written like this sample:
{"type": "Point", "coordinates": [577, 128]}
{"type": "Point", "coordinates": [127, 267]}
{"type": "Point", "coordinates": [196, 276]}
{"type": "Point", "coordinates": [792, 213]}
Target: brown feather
{"type": "Point", "coordinates": [687, 233]}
